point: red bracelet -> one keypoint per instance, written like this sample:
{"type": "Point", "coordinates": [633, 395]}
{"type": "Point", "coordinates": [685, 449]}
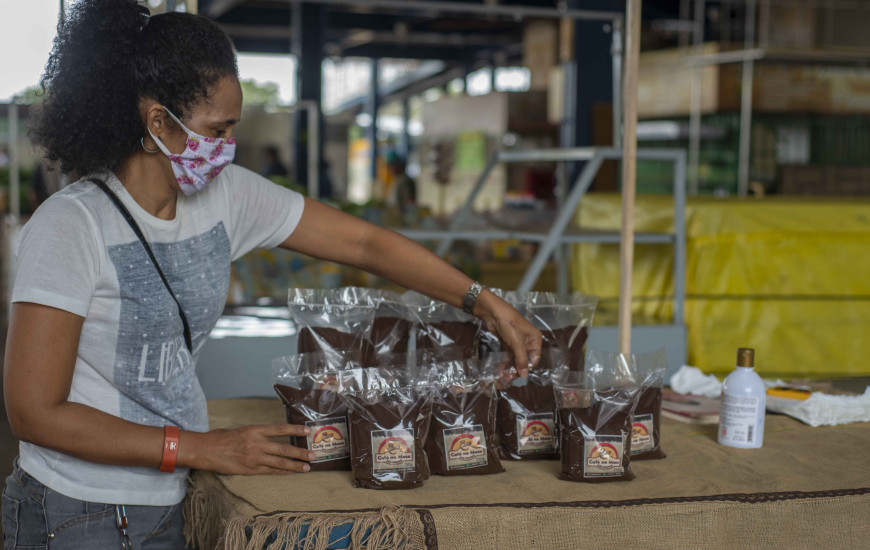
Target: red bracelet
{"type": "Point", "coordinates": [170, 448]}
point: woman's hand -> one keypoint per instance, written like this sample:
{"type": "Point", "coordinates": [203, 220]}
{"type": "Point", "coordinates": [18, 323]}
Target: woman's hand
{"type": "Point", "coordinates": [247, 450]}
{"type": "Point", "coordinates": [520, 336]}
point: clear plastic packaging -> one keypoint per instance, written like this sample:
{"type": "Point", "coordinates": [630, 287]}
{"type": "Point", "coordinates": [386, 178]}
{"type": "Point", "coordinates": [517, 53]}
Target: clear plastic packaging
{"type": "Point", "coordinates": [595, 418]}
{"type": "Point", "coordinates": [462, 430]}
{"type": "Point", "coordinates": [391, 330]}
{"type": "Point", "coordinates": [333, 321]}
{"type": "Point", "coordinates": [440, 325]}
{"type": "Point", "coordinates": [526, 410]}
{"type": "Point", "coordinates": [308, 386]}
{"type": "Point", "coordinates": [646, 430]}
{"type": "Point", "coordinates": [564, 322]}
{"type": "Point", "coordinates": [388, 413]}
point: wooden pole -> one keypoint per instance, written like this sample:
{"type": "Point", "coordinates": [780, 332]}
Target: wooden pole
{"type": "Point", "coordinates": [629, 169]}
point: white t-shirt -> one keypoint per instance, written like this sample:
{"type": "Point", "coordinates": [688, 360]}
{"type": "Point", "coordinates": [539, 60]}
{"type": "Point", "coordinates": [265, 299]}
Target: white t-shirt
{"type": "Point", "coordinates": [77, 253]}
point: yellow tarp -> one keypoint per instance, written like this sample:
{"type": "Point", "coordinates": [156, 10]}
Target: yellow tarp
{"type": "Point", "coordinates": [789, 277]}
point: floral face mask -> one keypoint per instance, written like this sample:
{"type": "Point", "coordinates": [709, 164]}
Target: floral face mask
{"type": "Point", "coordinates": [201, 161]}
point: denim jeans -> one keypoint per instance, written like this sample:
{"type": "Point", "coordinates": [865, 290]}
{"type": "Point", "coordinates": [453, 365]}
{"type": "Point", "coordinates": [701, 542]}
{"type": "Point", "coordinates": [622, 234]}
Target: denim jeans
{"type": "Point", "coordinates": [34, 516]}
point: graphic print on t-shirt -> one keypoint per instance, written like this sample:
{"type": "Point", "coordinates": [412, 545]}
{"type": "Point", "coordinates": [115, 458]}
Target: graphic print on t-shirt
{"type": "Point", "coordinates": [153, 368]}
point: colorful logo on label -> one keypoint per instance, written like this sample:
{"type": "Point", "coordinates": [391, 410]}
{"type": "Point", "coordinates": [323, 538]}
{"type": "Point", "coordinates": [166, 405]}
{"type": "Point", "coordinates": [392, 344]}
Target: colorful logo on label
{"type": "Point", "coordinates": [327, 438]}
{"type": "Point", "coordinates": [393, 450]}
{"type": "Point", "coordinates": [604, 456]}
{"type": "Point", "coordinates": [537, 434]}
{"type": "Point", "coordinates": [465, 447]}
{"type": "Point", "coordinates": [640, 437]}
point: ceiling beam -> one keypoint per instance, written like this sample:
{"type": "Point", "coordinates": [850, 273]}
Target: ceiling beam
{"type": "Point", "coordinates": [454, 40]}
{"type": "Point", "coordinates": [437, 7]}
{"type": "Point", "coordinates": [408, 52]}
{"type": "Point", "coordinates": [217, 8]}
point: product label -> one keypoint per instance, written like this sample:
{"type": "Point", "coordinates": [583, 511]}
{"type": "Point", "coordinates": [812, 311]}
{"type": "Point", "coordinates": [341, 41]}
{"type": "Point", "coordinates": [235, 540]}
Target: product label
{"type": "Point", "coordinates": [535, 433]}
{"type": "Point", "coordinates": [465, 447]}
{"type": "Point", "coordinates": [603, 456]}
{"type": "Point", "coordinates": [328, 438]}
{"type": "Point", "coordinates": [738, 418]}
{"type": "Point", "coordinates": [642, 434]}
{"type": "Point", "coordinates": [393, 451]}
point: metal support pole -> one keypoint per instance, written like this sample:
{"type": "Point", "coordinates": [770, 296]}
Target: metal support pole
{"type": "Point", "coordinates": [764, 25]}
{"type": "Point", "coordinates": [572, 201]}
{"type": "Point", "coordinates": [308, 28]}
{"type": "Point", "coordinates": [685, 8]}
{"type": "Point", "coordinates": [459, 217]}
{"type": "Point", "coordinates": [695, 101]}
{"type": "Point", "coordinates": [405, 136]}
{"type": "Point", "coordinates": [679, 238]}
{"type": "Point", "coordinates": [616, 53]}
{"type": "Point", "coordinates": [312, 113]}
{"type": "Point", "coordinates": [373, 107]}
{"type": "Point", "coordinates": [629, 171]}
{"type": "Point", "coordinates": [746, 104]}
{"type": "Point", "coordinates": [492, 67]}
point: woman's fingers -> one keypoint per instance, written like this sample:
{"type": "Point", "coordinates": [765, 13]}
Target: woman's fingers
{"type": "Point", "coordinates": [282, 464]}
{"type": "Point", "coordinates": [289, 451]}
{"type": "Point", "coordinates": [278, 430]}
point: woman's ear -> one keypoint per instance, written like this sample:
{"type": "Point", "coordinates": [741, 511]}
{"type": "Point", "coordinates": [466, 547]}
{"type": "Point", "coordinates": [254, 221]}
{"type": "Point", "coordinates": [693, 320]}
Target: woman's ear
{"type": "Point", "coordinates": [154, 116]}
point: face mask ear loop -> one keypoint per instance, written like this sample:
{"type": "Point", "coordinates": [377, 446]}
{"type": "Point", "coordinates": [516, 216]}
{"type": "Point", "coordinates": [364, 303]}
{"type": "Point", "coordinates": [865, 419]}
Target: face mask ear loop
{"type": "Point", "coordinates": [177, 121]}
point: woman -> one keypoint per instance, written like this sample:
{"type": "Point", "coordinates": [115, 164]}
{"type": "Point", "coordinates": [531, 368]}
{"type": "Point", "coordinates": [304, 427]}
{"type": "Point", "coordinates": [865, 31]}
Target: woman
{"type": "Point", "coordinates": [104, 334]}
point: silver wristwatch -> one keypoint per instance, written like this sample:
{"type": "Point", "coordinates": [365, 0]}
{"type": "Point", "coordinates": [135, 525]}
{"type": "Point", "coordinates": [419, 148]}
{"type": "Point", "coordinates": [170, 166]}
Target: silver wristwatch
{"type": "Point", "coordinates": [470, 298]}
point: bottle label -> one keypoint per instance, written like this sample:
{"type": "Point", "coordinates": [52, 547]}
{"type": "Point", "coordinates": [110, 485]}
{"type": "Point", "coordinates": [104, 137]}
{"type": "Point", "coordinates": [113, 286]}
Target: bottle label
{"type": "Point", "coordinates": [738, 419]}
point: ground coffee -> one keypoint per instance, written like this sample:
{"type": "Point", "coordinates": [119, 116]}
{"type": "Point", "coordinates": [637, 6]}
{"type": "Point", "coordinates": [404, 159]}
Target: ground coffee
{"type": "Point", "coordinates": [595, 440]}
{"type": "Point", "coordinates": [526, 418]}
{"type": "Point", "coordinates": [646, 425]}
{"type": "Point", "coordinates": [454, 334]}
{"type": "Point", "coordinates": [325, 413]}
{"type": "Point", "coordinates": [561, 338]}
{"type": "Point", "coordinates": [388, 437]}
{"type": "Point", "coordinates": [334, 343]}
{"type": "Point", "coordinates": [390, 335]}
{"type": "Point", "coordinates": [462, 431]}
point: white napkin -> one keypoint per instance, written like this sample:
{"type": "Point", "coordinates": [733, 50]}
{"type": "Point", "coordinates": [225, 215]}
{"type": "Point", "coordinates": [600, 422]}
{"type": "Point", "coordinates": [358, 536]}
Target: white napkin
{"type": "Point", "coordinates": [692, 380]}
{"type": "Point", "coordinates": [820, 409]}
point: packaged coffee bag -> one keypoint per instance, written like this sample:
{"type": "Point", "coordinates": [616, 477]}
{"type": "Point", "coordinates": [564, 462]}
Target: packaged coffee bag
{"type": "Point", "coordinates": [389, 417]}
{"type": "Point", "coordinates": [646, 423]}
{"type": "Point", "coordinates": [440, 325]}
{"type": "Point", "coordinates": [564, 322]}
{"type": "Point", "coordinates": [595, 424]}
{"type": "Point", "coordinates": [462, 430]}
{"type": "Point", "coordinates": [308, 386]}
{"type": "Point", "coordinates": [391, 330]}
{"type": "Point", "coordinates": [526, 410]}
{"type": "Point", "coordinates": [333, 321]}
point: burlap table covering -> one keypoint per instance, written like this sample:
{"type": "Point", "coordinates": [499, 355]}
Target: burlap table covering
{"type": "Point", "coordinates": [805, 487]}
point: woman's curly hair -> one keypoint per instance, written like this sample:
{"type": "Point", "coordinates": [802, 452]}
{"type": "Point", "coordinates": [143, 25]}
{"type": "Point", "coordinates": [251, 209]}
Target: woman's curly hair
{"type": "Point", "coordinates": [107, 56]}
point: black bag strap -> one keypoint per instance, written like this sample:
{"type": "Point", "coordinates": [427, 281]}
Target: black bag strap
{"type": "Point", "coordinates": [135, 227]}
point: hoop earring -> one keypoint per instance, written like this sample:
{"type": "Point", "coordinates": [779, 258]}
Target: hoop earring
{"type": "Point", "coordinates": [147, 150]}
